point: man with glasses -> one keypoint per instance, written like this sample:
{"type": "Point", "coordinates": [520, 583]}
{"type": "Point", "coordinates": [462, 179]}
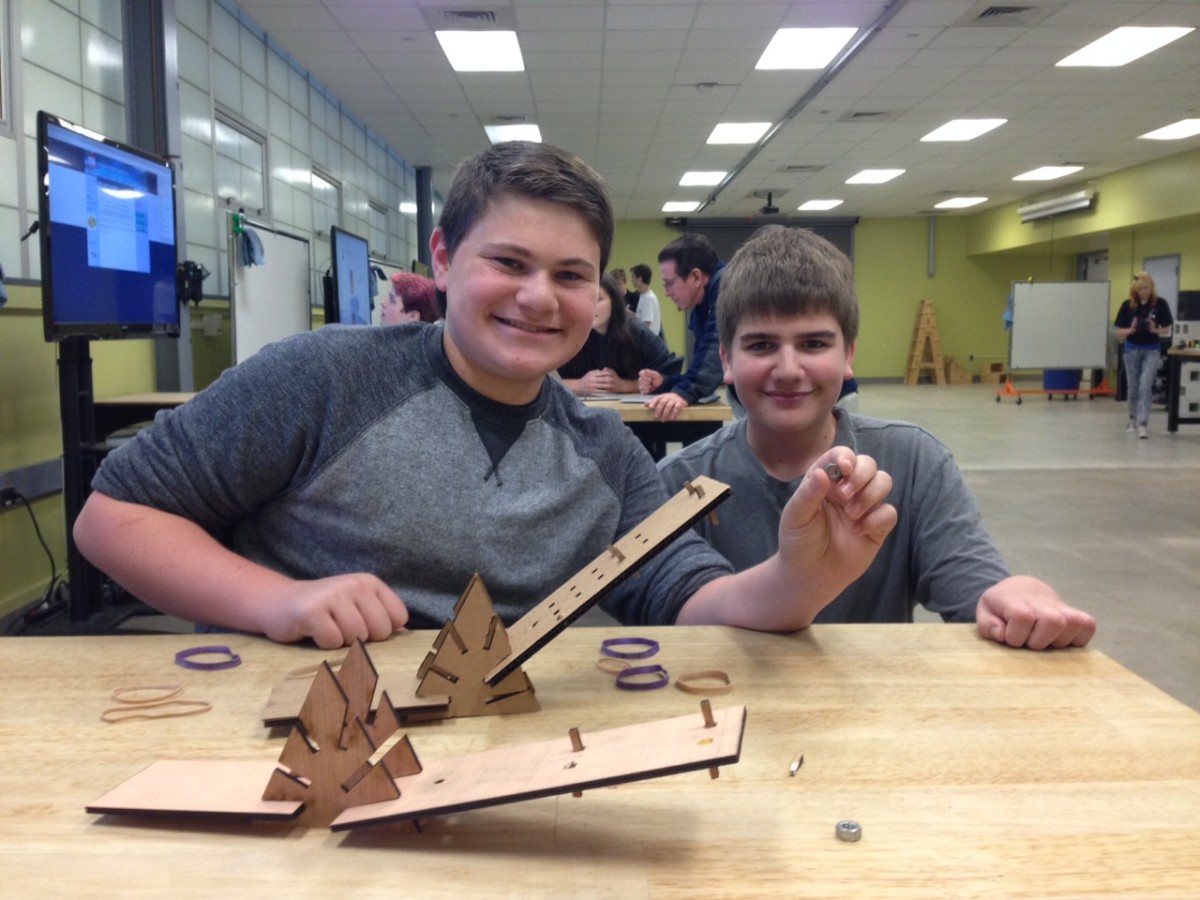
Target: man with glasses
{"type": "Point", "coordinates": [691, 275]}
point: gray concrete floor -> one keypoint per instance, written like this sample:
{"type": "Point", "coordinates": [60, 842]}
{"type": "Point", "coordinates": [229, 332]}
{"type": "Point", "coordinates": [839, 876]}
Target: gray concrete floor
{"type": "Point", "coordinates": [1112, 522]}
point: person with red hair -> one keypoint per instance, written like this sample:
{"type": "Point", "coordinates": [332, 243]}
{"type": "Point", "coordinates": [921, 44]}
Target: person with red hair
{"type": "Point", "coordinates": [413, 298]}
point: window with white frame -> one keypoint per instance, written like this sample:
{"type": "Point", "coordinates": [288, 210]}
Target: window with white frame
{"type": "Point", "coordinates": [240, 161]}
{"type": "Point", "coordinates": [5, 81]}
{"type": "Point", "coordinates": [377, 223]}
{"type": "Point", "coordinates": [326, 202]}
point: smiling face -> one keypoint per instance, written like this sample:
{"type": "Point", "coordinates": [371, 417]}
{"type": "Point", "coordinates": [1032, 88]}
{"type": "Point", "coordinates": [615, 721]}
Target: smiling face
{"type": "Point", "coordinates": [521, 289]}
{"type": "Point", "coordinates": [788, 373]}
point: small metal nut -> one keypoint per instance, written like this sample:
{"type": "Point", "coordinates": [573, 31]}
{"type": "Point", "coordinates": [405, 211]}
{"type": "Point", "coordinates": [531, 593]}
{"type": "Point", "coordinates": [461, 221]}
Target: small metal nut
{"type": "Point", "coordinates": [834, 471]}
{"type": "Point", "coordinates": [848, 830]}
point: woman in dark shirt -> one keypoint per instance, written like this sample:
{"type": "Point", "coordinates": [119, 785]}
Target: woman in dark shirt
{"type": "Point", "coordinates": [617, 348]}
{"type": "Point", "coordinates": [1142, 321]}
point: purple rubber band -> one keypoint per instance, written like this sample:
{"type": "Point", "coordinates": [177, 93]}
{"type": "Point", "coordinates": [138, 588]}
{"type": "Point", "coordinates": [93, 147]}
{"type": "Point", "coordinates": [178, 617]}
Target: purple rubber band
{"type": "Point", "coordinates": [184, 658]}
{"type": "Point", "coordinates": [606, 647]}
{"type": "Point", "coordinates": [625, 684]}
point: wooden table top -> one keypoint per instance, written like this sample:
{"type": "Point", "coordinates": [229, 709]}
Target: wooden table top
{"type": "Point", "coordinates": [973, 769]}
{"type": "Point", "coordinates": [717, 411]}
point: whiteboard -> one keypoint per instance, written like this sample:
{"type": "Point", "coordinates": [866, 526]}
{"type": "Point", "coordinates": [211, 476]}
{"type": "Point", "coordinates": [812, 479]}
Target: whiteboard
{"type": "Point", "coordinates": [1059, 325]}
{"type": "Point", "coordinates": [273, 300]}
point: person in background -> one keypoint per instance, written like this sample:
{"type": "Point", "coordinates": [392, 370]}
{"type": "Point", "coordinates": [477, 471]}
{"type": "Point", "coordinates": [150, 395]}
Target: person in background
{"type": "Point", "coordinates": [691, 274]}
{"type": "Point", "coordinates": [648, 312]}
{"type": "Point", "coordinates": [630, 297]}
{"type": "Point", "coordinates": [414, 457]}
{"type": "Point", "coordinates": [788, 325]}
{"type": "Point", "coordinates": [413, 298]}
{"type": "Point", "coordinates": [1142, 321]}
{"type": "Point", "coordinates": [617, 349]}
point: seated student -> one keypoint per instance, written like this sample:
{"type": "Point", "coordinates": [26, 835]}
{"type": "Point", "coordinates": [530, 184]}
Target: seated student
{"type": "Point", "coordinates": [617, 348]}
{"type": "Point", "coordinates": [788, 320]}
{"type": "Point", "coordinates": [413, 298]}
{"type": "Point", "coordinates": [345, 482]}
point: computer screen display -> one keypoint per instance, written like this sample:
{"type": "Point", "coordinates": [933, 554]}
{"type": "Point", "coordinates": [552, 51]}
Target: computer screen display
{"type": "Point", "coordinates": [106, 217]}
{"type": "Point", "coordinates": [350, 301]}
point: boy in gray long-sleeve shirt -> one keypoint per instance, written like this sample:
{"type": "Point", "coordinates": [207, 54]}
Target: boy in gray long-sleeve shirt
{"type": "Point", "coordinates": [344, 483]}
{"type": "Point", "coordinates": [788, 320]}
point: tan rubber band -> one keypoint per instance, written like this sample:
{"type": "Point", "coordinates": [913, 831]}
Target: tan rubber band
{"type": "Point", "coordinates": [611, 666]}
{"type": "Point", "coordinates": [307, 671]}
{"type": "Point", "coordinates": [687, 682]}
{"type": "Point", "coordinates": [167, 691]}
{"type": "Point", "coordinates": [155, 710]}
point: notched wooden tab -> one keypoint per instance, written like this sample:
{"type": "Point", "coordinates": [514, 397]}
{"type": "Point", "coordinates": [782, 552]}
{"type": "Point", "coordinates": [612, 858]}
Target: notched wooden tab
{"type": "Point", "coordinates": [612, 548]}
{"type": "Point", "coordinates": [706, 710]}
{"type": "Point", "coordinates": [694, 489]}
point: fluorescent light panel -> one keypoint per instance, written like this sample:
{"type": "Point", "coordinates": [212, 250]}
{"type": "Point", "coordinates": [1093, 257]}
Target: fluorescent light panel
{"type": "Point", "coordinates": [1184, 128]}
{"type": "Point", "coordinates": [817, 205]}
{"type": "Point", "coordinates": [482, 51]}
{"type": "Point", "coordinates": [1047, 173]}
{"type": "Point", "coordinates": [1123, 45]}
{"type": "Point", "coordinates": [804, 48]}
{"type": "Point", "coordinates": [678, 206]}
{"type": "Point", "coordinates": [498, 134]}
{"type": "Point", "coordinates": [738, 132]}
{"type": "Point", "coordinates": [704, 179]}
{"type": "Point", "coordinates": [874, 176]}
{"type": "Point", "coordinates": [960, 202]}
{"type": "Point", "coordinates": [963, 129]}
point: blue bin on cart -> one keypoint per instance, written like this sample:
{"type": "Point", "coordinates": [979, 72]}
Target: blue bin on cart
{"type": "Point", "coordinates": [1054, 380]}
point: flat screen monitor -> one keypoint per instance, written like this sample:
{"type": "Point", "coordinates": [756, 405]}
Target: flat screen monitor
{"type": "Point", "coordinates": [106, 216]}
{"type": "Point", "coordinates": [350, 300]}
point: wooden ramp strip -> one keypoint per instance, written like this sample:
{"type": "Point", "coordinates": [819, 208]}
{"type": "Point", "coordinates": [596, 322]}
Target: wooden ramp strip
{"type": "Point", "coordinates": [198, 787]}
{"type": "Point", "coordinates": [528, 771]}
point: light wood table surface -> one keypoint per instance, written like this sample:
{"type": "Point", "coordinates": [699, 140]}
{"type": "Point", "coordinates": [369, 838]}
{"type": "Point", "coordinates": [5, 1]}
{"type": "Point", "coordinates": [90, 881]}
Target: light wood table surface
{"type": "Point", "coordinates": [973, 769]}
{"type": "Point", "coordinates": [694, 422]}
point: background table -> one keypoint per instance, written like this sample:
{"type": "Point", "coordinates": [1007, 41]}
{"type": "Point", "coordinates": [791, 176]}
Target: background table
{"type": "Point", "coordinates": [1176, 357]}
{"type": "Point", "coordinates": [974, 770]}
{"type": "Point", "coordinates": [694, 422]}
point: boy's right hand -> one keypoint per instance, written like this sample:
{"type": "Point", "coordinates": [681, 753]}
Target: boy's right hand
{"type": "Point", "coordinates": [830, 532]}
{"type": "Point", "coordinates": [335, 611]}
{"type": "Point", "coordinates": [649, 381]}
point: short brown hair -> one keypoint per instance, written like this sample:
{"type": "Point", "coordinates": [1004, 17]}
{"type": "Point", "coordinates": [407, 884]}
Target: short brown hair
{"type": "Point", "coordinates": [531, 170]}
{"type": "Point", "coordinates": [784, 272]}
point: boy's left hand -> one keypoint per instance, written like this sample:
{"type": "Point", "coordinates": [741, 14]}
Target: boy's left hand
{"type": "Point", "coordinates": [830, 532]}
{"type": "Point", "coordinates": [1023, 611]}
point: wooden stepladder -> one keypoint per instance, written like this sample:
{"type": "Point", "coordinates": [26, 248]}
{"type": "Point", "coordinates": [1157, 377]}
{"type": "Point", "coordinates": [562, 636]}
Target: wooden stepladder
{"type": "Point", "coordinates": [926, 350]}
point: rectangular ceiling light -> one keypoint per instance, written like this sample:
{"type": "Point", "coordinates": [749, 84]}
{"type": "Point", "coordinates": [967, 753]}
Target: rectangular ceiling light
{"type": "Point", "coordinates": [1056, 206]}
{"type": "Point", "coordinates": [960, 202]}
{"type": "Point", "coordinates": [874, 176]}
{"type": "Point", "coordinates": [681, 206]}
{"type": "Point", "coordinates": [817, 205]}
{"type": "Point", "coordinates": [482, 51]}
{"type": "Point", "coordinates": [498, 134]}
{"type": "Point", "coordinates": [963, 129]}
{"type": "Point", "coordinates": [804, 48]}
{"type": "Point", "coordinates": [1123, 45]}
{"type": "Point", "coordinates": [738, 132]}
{"type": "Point", "coordinates": [704, 179]}
{"type": "Point", "coordinates": [1047, 173]}
{"type": "Point", "coordinates": [1184, 128]}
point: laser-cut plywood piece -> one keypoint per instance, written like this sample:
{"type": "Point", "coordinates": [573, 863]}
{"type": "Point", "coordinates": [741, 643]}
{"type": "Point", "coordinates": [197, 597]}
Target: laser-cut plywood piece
{"type": "Point", "coordinates": [588, 586]}
{"type": "Point", "coordinates": [467, 648]}
{"type": "Point", "coordinates": [337, 770]}
{"type": "Point", "coordinates": [476, 663]}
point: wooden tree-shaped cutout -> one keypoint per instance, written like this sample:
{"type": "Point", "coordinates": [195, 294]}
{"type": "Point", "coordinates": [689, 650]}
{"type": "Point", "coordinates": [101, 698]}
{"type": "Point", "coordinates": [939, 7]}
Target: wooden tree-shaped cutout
{"type": "Point", "coordinates": [328, 761]}
{"type": "Point", "coordinates": [467, 648]}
